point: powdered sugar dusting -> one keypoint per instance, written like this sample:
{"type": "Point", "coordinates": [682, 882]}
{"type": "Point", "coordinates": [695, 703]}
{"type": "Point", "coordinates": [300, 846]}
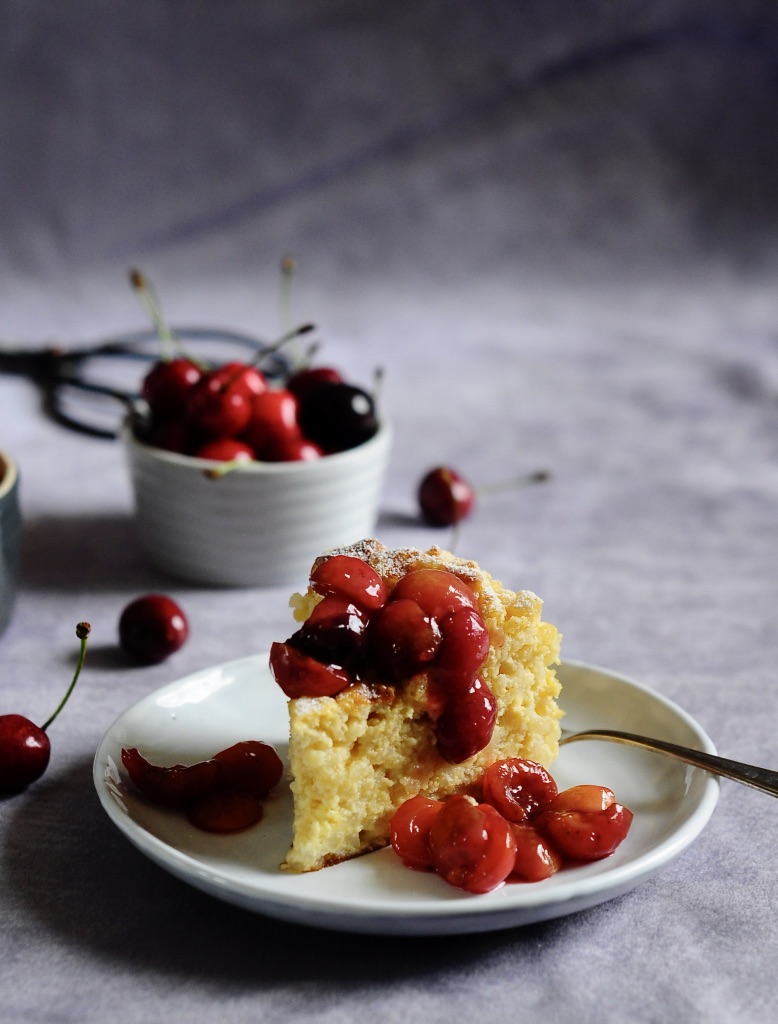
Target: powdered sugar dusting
{"type": "Point", "coordinates": [393, 564]}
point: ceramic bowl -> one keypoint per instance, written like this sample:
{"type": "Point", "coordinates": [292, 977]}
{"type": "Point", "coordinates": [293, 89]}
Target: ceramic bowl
{"type": "Point", "coordinates": [260, 525]}
{"type": "Point", "coordinates": [10, 537]}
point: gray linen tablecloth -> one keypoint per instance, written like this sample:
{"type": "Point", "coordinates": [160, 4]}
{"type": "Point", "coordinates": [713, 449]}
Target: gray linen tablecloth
{"type": "Point", "coordinates": [554, 225]}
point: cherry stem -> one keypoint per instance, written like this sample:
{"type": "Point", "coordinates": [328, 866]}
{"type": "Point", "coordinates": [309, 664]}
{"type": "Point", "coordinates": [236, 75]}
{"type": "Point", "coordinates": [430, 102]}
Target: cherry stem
{"type": "Point", "coordinates": [287, 336]}
{"type": "Point", "coordinates": [378, 384]}
{"type": "Point", "coordinates": [539, 476]}
{"type": "Point", "coordinates": [288, 268]}
{"type": "Point", "coordinates": [83, 629]}
{"type": "Point", "coordinates": [224, 468]}
{"type": "Point", "coordinates": [268, 350]}
{"type": "Point", "coordinates": [306, 358]}
{"type": "Point", "coordinates": [149, 299]}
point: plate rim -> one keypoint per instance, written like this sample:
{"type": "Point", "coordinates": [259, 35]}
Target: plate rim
{"type": "Point", "coordinates": [406, 916]}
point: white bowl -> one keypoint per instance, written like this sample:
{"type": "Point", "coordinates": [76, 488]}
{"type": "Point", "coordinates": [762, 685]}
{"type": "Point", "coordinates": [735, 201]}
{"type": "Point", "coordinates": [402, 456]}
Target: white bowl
{"type": "Point", "coordinates": [260, 525]}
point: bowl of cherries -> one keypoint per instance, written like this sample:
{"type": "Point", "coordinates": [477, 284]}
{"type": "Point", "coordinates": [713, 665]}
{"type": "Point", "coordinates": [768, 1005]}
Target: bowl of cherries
{"type": "Point", "coordinates": [241, 480]}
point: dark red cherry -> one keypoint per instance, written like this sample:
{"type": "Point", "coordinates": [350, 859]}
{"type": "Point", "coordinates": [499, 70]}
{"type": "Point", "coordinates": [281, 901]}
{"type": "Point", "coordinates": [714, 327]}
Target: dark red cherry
{"type": "Point", "coordinates": [291, 449]}
{"type": "Point", "coordinates": [300, 675]}
{"type": "Point", "coordinates": [219, 405]}
{"type": "Point", "coordinates": [225, 811]}
{"type": "Point", "coordinates": [171, 786]}
{"type": "Point", "coordinates": [170, 435]}
{"type": "Point", "coordinates": [225, 449]}
{"type": "Point", "coordinates": [151, 628]}
{"type": "Point", "coordinates": [467, 722]}
{"type": "Point", "coordinates": [465, 643]}
{"type": "Point", "coordinates": [166, 387]}
{"type": "Point", "coordinates": [445, 497]}
{"type": "Point", "coordinates": [401, 640]}
{"type": "Point", "coordinates": [518, 788]}
{"type": "Point", "coordinates": [333, 632]}
{"type": "Point", "coordinates": [305, 381]}
{"type": "Point", "coordinates": [251, 767]}
{"type": "Point", "coordinates": [24, 752]}
{"type": "Point", "coordinates": [338, 416]}
{"type": "Point", "coordinates": [25, 747]}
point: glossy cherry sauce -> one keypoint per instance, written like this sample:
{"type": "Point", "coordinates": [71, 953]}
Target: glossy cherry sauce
{"type": "Point", "coordinates": [359, 632]}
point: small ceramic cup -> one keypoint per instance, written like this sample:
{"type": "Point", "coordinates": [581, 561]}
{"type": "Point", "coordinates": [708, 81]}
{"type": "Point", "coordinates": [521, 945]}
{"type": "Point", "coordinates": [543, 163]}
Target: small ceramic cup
{"type": "Point", "coordinates": [10, 537]}
{"type": "Point", "coordinates": [260, 525]}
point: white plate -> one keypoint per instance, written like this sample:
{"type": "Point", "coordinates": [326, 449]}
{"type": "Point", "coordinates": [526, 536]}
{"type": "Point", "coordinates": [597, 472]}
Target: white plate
{"type": "Point", "coordinates": [205, 712]}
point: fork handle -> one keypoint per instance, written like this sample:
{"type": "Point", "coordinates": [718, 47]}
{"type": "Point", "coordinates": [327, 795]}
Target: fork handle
{"type": "Point", "coordinates": [763, 779]}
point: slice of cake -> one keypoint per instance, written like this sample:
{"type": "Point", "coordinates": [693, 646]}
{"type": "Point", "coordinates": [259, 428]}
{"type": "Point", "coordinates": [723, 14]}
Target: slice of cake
{"type": "Point", "coordinates": [411, 673]}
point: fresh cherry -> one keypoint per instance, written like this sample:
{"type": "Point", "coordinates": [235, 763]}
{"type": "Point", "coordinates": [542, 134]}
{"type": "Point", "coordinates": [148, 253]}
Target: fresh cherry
{"type": "Point", "coordinates": [304, 382]}
{"type": "Point", "coordinates": [25, 748]}
{"type": "Point", "coordinates": [272, 420]}
{"type": "Point", "coordinates": [291, 449]}
{"type": "Point", "coordinates": [166, 387]}
{"type": "Point", "coordinates": [445, 497]}
{"type": "Point", "coordinates": [151, 628]}
{"type": "Point", "coordinates": [169, 435]}
{"type": "Point", "coordinates": [226, 449]}
{"type": "Point", "coordinates": [219, 405]}
{"type": "Point", "coordinates": [338, 416]}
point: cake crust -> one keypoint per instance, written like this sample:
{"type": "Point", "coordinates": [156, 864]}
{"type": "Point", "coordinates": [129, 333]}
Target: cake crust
{"type": "Point", "coordinates": [355, 757]}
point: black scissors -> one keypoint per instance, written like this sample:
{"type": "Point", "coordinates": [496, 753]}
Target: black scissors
{"type": "Point", "coordinates": [91, 389]}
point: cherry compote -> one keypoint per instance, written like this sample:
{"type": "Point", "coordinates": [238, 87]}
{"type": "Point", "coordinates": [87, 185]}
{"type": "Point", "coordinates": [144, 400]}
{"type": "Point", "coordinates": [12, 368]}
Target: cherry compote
{"type": "Point", "coordinates": [472, 845]}
{"type": "Point", "coordinates": [585, 822]}
{"type": "Point", "coordinates": [359, 632]}
{"type": "Point", "coordinates": [402, 639]}
{"type": "Point", "coordinates": [223, 793]}
{"type": "Point", "coordinates": [523, 831]}
{"type": "Point", "coordinates": [536, 858]}
{"type": "Point", "coordinates": [334, 632]}
{"type": "Point", "coordinates": [352, 578]}
{"type": "Point", "coordinates": [410, 831]}
{"type": "Point", "coordinates": [518, 788]}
